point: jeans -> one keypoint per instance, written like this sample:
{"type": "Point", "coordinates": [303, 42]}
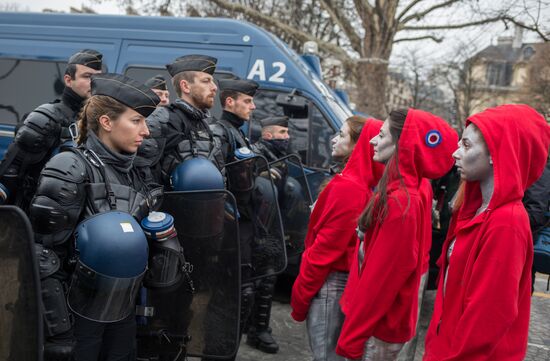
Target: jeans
{"type": "Point", "coordinates": [325, 319]}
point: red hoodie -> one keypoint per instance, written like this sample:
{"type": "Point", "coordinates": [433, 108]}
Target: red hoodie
{"type": "Point", "coordinates": [382, 299]}
{"type": "Point", "coordinates": [331, 236]}
{"type": "Point", "coordinates": [484, 314]}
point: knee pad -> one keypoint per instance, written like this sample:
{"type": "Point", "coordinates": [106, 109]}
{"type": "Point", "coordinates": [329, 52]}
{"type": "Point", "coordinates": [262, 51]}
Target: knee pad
{"type": "Point", "coordinates": [56, 315]}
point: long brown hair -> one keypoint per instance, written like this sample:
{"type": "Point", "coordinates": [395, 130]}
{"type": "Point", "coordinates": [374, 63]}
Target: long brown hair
{"type": "Point", "coordinates": [93, 109]}
{"type": "Point", "coordinates": [377, 207]}
{"type": "Point", "coordinates": [355, 124]}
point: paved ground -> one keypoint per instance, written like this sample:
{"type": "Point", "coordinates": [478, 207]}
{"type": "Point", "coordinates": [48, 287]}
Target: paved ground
{"type": "Point", "coordinates": [294, 346]}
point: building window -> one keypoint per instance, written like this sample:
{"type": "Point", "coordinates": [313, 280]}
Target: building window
{"type": "Point", "coordinates": [499, 74]}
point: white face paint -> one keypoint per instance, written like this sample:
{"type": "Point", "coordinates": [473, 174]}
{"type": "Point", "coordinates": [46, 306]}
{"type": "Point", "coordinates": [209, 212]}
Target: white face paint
{"type": "Point", "coordinates": [472, 156]}
{"type": "Point", "coordinates": [383, 144]}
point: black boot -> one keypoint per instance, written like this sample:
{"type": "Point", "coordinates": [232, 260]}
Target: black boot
{"type": "Point", "coordinates": [259, 333]}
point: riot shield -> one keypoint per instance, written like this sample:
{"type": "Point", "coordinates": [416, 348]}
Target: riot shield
{"type": "Point", "coordinates": [21, 333]}
{"type": "Point", "coordinates": [263, 250]}
{"type": "Point", "coordinates": [294, 198]}
{"type": "Point", "coordinates": [199, 315]}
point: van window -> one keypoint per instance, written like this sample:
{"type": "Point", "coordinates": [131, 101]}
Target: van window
{"type": "Point", "coordinates": [309, 137]}
{"type": "Point", "coordinates": [25, 84]}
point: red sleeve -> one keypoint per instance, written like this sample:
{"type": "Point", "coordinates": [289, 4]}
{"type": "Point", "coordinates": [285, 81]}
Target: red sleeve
{"type": "Point", "coordinates": [392, 259]}
{"type": "Point", "coordinates": [491, 300]}
{"type": "Point", "coordinates": [330, 244]}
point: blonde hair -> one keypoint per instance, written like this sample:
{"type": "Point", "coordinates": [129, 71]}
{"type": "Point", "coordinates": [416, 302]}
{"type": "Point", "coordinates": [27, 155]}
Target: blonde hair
{"type": "Point", "coordinates": [93, 109]}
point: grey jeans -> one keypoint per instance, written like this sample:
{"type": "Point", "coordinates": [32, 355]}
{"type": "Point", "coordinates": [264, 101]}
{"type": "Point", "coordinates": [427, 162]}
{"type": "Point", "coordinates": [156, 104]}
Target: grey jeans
{"type": "Point", "coordinates": [325, 319]}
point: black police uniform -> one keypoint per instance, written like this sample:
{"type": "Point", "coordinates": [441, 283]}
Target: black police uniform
{"type": "Point", "coordinates": [259, 332]}
{"type": "Point", "coordinates": [232, 138]}
{"type": "Point", "coordinates": [151, 150]}
{"type": "Point", "coordinates": [46, 129]}
{"type": "Point", "coordinates": [180, 131]}
{"type": "Point", "coordinates": [74, 186]}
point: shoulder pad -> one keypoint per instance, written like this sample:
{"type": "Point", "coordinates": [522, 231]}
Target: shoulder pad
{"type": "Point", "coordinates": [66, 166]}
{"type": "Point", "coordinates": [41, 120]}
{"type": "Point", "coordinates": [48, 109]}
{"type": "Point", "coordinates": [160, 115]}
{"type": "Point", "coordinates": [38, 133]}
{"type": "Point", "coordinates": [218, 130]}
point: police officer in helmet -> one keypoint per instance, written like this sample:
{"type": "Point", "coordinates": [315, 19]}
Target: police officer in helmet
{"type": "Point", "coordinates": [46, 129]}
{"type": "Point", "coordinates": [91, 248]}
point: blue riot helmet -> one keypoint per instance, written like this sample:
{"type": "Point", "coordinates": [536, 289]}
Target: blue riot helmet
{"type": "Point", "coordinates": [240, 175]}
{"type": "Point", "coordinates": [196, 174]}
{"type": "Point", "coordinates": [166, 260]}
{"type": "Point", "coordinates": [112, 259]}
{"type": "Point", "coordinates": [201, 213]}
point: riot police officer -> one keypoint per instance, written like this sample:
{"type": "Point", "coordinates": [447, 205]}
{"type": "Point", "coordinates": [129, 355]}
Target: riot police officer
{"type": "Point", "coordinates": [158, 85]}
{"type": "Point", "coordinates": [237, 99]}
{"type": "Point", "coordinates": [150, 152]}
{"type": "Point", "coordinates": [183, 131]}
{"type": "Point", "coordinates": [46, 129]}
{"type": "Point", "coordinates": [273, 145]}
{"type": "Point", "coordinates": [94, 194]}
{"type": "Point", "coordinates": [275, 138]}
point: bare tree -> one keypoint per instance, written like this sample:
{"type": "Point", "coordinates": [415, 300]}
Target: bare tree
{"type": "Point", "coordinates": [537, 87]}
{"type": "Point", "coordinates": [361, 33]}
{"type": "Point", "coordinates": [459, 77]}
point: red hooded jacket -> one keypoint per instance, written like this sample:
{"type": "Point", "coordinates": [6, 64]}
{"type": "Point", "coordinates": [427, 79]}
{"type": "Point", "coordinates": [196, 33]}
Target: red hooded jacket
{"type": "Point", "coordinates": [484, 313]}
{"type": "Point", "coordinates": [381, 300]}
{"type": "Point", "coordinates": [331, 236]}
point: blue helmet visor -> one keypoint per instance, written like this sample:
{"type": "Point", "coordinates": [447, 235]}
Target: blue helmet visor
{"type": "Point", "coordinates": [101, 298]}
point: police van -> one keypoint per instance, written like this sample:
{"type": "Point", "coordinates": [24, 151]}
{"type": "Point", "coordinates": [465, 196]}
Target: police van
{"type": "Point", "coordinates": [34, 49]}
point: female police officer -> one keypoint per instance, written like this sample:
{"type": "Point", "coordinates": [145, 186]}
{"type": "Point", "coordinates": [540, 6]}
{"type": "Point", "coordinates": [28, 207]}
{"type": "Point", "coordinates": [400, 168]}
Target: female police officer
{"type": "Point", "coordinates": [85, 210]}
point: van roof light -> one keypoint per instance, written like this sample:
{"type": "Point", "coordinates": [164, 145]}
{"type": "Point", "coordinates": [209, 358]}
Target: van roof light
{"type": "Point", "coordinates": [310, 47]}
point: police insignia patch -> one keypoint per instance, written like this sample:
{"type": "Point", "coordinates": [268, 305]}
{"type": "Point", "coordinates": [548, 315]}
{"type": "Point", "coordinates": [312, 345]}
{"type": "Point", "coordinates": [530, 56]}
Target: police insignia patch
{"type": "Point", "coordinates": [433, 138]}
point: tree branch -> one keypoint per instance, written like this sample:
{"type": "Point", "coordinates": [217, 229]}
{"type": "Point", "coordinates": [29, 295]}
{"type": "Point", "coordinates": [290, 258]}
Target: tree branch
{"type": "Point", "coordinates": [504, 18]}
{"type": "Point", "coordinates": [451, 26]}
{"type": "Point", "coordinates": [422, 14]}
{"type": "Point", "coordinates": [535, 28]}
{"type": "Point", "coordinates": [344, 24]}
{"type": "Point", "coordinates": [408, 8]}
{"type": "Point", "coordinates": [425, 37]}
{"type": "Point", "coordinates": [270, 21]}
{"type": "Point", "coordinates": [365, 11]}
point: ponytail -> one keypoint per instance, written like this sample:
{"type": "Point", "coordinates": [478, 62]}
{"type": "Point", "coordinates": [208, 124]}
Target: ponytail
{"type": "Point", "coordinates": [93, 109]}
{"type": "Point", "coordinates": [83, 124]}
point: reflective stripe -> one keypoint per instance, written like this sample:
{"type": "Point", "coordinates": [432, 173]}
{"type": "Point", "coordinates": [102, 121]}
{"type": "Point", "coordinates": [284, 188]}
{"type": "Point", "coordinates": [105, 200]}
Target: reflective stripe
{"type": "Point", "coordinates": [7, 133]}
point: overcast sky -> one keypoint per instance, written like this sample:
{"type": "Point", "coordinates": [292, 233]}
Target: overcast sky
{"type": "Point", "coordinates": [430, 52]}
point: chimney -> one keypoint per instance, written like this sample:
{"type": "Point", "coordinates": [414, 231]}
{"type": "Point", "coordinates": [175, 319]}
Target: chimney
{"type": "Point", "coordinates": [505, 41]}
{"type": "Point", "coordinates": [518, 37]}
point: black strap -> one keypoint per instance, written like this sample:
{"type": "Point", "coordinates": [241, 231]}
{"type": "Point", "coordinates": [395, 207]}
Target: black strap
{"type": "Point", "coordinates": [88, 157]}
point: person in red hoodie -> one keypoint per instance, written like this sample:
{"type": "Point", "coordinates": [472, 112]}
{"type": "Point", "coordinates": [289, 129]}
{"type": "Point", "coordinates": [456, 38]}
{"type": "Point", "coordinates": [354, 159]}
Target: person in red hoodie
{"type": "Point", "coordinates": [483, 300]}
{"type": "Point", "coordinates": [380, 301]}
{"type": "Point", "coordinates": [329, 246]}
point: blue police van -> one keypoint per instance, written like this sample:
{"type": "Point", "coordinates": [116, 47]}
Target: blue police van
{"type": "Point", "coordinates": [34, 49]}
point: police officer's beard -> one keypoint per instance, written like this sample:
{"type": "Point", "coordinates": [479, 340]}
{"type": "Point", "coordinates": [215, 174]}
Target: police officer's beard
{"type": "Point", "coordinates": [201, 103]}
